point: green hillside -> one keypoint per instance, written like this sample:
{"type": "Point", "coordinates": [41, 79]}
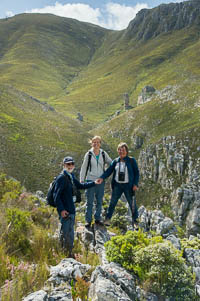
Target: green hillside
{"type": "Point", "coordinates": [41, 54]}
{"type": "Point", "coordinates": [34, 139]}
{"type": "Point", "coordinates": [168, 59]}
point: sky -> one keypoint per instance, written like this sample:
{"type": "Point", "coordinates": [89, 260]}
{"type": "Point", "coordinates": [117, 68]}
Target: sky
{"type": "Point", "coordinates": [111, 14]}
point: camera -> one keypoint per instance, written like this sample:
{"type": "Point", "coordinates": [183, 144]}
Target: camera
{"type": "Point", "coordinates": [121, 176]}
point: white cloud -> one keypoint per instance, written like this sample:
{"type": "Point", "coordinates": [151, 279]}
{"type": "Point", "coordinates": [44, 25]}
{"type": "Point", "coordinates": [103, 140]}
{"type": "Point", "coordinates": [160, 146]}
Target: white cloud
{"type": "Point", "coordinates": [119, 16]}
{"type": "Point", "coordinates": [81, 12]}
{"type": "Point", "coordinates": [9, 14]}
{"type": "Point", "coordinates": [112, 16]}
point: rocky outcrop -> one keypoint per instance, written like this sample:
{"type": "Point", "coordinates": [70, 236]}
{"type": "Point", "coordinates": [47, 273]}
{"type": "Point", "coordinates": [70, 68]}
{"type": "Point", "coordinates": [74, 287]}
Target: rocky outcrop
{"type": "Point", "coordinates": [109, 281]}
{"type": "Point", "coordinates": [157, 222]}
{"type": "Point", "coordinates": [146, 95]}
{"type": "Point", "coordinates": [149, 93]}
{"type": "Point", "coordinates": [126, 102]}
{"type": "Point", "coordinates": [112, 282]}
{"type": "Point", "coordinates": [170, 165]}
{"type": "Point", "coordinates": [58, 286]}
{"type": "Point", "coordinates": [149, 23]}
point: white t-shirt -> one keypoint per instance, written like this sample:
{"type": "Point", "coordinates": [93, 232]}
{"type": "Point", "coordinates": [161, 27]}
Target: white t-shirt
{"type": "Point", "coordinates": [121, 166]}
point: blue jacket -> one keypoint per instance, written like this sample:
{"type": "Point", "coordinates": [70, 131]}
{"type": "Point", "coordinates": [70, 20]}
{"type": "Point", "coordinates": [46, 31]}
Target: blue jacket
{"type": "Point", "coordinates": [133, 171]}
{"type": "Point", "coordinates": [63, 192]}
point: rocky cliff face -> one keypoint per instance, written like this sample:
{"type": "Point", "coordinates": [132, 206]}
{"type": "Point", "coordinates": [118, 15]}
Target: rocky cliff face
{"type": "Point", "coordinates": [176, 168]}
{"type": "Point", "coordinates": [150, 23]}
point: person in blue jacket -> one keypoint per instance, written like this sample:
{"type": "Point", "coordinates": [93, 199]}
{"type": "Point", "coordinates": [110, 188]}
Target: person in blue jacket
{"type": "Point", "coordinates": [125, 180]}
{"type": "Point", "coordinates": [63, 197]}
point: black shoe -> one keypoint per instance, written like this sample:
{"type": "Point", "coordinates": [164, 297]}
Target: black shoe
{"type": "Point", "coordinates": [99, 223]}
{"type": "Point", "coordinates": [87, 225]}
{"type": "Point", "coordinates": [135, 225]}
{"type": "Point", "coordinates": [71, 255]}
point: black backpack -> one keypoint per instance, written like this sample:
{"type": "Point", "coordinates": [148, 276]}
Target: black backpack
{"type": "Point", "coordinates": [50, 199]}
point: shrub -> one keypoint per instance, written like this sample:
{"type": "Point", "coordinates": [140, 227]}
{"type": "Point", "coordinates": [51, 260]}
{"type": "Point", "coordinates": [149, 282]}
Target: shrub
{"type": "Point", "coordinates": [9, 186]}
{"type": "Point", "coordinates": [80, 289]}
{"type": "Point", "coordinates": [18, 229]}
{"type": "Point", "coordinates": [162, 271]}
{"type": "Point", "coordinates": [159, 266]}
{"type": "Point", "coordinates": [193, 243]}
{"type": "Point", "coordinates": [122, 249]}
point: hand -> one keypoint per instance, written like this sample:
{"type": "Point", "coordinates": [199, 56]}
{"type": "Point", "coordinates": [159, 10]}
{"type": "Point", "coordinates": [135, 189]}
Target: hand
{"type": "Point", "coordinates": [64, 213]}
{"type": "Point", "coordinates": [135, 188]}
{"type": "Point", "coordinates": [98, 181]}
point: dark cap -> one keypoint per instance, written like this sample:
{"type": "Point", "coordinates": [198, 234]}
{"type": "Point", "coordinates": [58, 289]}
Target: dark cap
{"type": "Point", "coordinates": [68, 160]}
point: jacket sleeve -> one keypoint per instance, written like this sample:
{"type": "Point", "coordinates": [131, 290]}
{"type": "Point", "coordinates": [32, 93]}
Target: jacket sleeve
{"type": "Point", "coordinates": [135, 172]}
{"type": "Point", "coordinates": [109, 170]}
{"type": "Point", "coordinates": [83, 168]}
{"type": "Point", "coordinates": [108, 159]}
{"type": "Point", "coordinates": [83, 185]}
{"type": "Point", "coordinates": [58, 192]}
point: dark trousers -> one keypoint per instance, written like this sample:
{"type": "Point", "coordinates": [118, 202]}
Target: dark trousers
{"type": "Point", "coordinates": [117, 191]}
{"type": "Point", "coordinates": [67, 232]}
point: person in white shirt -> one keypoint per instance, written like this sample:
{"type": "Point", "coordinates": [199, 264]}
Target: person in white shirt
{"type": "Point", "coordinates": [92, 168]}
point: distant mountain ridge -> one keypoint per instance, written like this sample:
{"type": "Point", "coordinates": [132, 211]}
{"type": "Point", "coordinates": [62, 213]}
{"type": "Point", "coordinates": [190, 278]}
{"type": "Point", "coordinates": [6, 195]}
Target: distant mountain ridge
{"type": "Point", "coordinates": [149, 23]}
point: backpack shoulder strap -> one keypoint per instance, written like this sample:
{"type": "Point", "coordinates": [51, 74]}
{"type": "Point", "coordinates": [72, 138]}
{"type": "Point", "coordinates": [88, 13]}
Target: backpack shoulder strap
{"type": "Point", "coordinates": [104, 159]}
{"type": "Point", "coordinates": [89, 163]}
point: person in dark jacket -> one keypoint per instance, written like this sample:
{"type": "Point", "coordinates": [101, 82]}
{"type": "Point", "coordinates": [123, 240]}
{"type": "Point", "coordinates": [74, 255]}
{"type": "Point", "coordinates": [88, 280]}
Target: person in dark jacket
{"type": "Point", "coordinates": [125, 180]}
{"type": "Point", "coordinates": [63, 196]}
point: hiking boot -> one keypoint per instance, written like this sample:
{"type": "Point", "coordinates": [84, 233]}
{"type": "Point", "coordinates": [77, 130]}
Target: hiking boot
{"type": "Point", "coordinates": [71, 255]}
{"type": "Point", "coordinates": [107, 222]}
{"type": "Point", "coordinates": [136, 225]}
{"type": "Point", "coordinates": [88, 225]}
{"type": "Point", "coordinates": [99, 223]}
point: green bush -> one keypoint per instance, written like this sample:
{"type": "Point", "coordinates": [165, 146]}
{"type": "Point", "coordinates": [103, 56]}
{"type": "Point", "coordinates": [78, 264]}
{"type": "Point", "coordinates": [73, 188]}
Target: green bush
{"type": "Point", "coordinates": [159, 266]}
{"type": "Point", "coordinates": [9, 188]}
{"type": "Point", "coordinates": [162, 271]}
{"type": "Point", "coordinates": [122, 249]}
{"type": "Point", "coordinates": [17, 234]}
{"type": "Point", "coordinates": [193, 243]}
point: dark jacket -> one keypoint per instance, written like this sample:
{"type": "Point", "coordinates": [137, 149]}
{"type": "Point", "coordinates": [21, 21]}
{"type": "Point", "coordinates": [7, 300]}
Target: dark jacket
{"type": "Point", "coordinates": [133, 171]}
{"type": "Point", "coordinates": [63, 192]}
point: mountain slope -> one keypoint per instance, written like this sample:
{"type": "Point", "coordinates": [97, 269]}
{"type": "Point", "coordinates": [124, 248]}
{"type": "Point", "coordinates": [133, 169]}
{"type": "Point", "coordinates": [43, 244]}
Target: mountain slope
{"type": "Point", "coordinates": [125, 63]}
{"type": "Point", "coordinates": [35, 138]}
{"type": "Point", "coordinates": [41, 54]}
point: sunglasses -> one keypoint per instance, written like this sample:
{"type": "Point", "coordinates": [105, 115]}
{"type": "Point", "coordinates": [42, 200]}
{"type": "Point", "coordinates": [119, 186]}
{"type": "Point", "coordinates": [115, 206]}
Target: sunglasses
{"type": "Point", "coordinates": [71, 163]}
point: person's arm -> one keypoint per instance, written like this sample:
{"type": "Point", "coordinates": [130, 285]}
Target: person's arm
{"type": "Point", "coordinates": [109, 170]}
{"type": "Point", "coordinates": [108, 159]}
{"type": "Point", "coordinates": [135, 172]}
{"type": "Point", "coordinates": [83, 185]}
{"type": "Point", "coordinates": [83, 168]}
